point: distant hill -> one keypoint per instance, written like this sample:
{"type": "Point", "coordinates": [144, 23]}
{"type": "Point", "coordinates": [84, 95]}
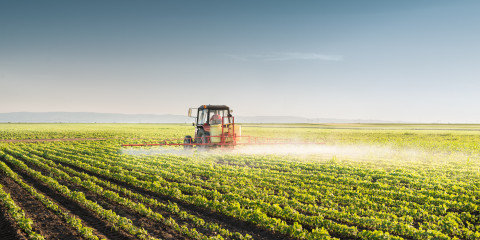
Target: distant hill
{"type": "Point", "coordinates": [88, 117]}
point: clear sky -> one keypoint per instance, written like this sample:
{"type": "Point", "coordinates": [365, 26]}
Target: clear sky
{"type": "Point", "coordinates": [387, 60]}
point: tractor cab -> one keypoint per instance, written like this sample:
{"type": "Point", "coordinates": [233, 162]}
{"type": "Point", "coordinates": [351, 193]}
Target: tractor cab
{"type": "Point", "coordinates": [212, 115]}
{"type": "Point", "coordinates": [214, 125]}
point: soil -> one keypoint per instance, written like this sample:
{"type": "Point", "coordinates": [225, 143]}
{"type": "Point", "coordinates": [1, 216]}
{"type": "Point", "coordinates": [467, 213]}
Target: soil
{"type": "Point", "coordinates": [9, 230]}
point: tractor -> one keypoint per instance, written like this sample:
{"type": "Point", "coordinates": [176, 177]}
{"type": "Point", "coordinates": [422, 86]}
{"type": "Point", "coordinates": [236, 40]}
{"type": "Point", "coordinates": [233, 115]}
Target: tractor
{"type": "Point", "coordinates": [214, 127]}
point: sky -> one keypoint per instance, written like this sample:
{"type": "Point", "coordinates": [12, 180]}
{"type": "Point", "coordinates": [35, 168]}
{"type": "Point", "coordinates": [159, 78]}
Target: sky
{"type": "Point", "coordinates": [414, 61]}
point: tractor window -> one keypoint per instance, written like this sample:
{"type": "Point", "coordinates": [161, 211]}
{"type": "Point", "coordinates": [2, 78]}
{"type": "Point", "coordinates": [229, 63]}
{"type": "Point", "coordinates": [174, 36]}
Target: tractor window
{"type": "Point", "coordinates": [202, 116]}
{"type": "Point", "coordinates": [216, 117]}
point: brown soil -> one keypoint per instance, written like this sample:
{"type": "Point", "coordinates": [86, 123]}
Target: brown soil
{"type": "Point", "coordinates": [101, 227]}
{"type": "Point", "coordinates": [9, 230]}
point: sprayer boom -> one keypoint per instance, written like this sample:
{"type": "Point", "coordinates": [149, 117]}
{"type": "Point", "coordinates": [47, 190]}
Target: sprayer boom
{"type": "Point", "coordinates": [243, 140]}
{"type": "Point", "coordinates": [215, 127]}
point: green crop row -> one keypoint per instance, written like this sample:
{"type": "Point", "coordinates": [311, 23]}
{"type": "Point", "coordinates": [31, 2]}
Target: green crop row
{"type": "Point", "coordinates": [76, 223]}
{"type": "Point", "coordinates": [79, 197]}
{"type": "Point", "coordinates": [91, 184]}
{"type": "Point", "coordinates": [18, 214]}
{"type": "Point", "coordinates": [449, 223]}
{"type": "Point", "coordinates": [244, 214]}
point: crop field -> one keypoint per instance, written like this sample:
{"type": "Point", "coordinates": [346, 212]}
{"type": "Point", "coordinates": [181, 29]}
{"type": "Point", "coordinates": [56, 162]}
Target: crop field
{"type": "Point", "coordinates": [368, 181]}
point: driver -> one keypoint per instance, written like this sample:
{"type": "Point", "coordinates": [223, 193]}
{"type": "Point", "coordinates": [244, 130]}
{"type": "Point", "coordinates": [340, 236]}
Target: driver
{"type": "Point", "coordinates": [215, 119]}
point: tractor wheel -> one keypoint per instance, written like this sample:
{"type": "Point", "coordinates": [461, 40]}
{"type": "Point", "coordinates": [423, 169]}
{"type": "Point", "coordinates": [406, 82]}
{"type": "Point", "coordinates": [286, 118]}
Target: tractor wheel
{"type": "Point", "coordinates": [202, 138]}
{"type": "Point", "coordinates": [188, 140]}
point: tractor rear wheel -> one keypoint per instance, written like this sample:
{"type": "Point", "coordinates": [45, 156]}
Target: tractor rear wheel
{"type": "Point", "coordinates": [187, 140]}
{"type": "Point", "coordinates": [202, 138]}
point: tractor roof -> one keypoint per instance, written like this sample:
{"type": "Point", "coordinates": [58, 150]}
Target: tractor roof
{"type": "Point", "coordinates": [215, 107]}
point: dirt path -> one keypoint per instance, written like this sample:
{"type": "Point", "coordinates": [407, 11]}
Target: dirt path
{"type": "Point", "coordinates": [53, 140]}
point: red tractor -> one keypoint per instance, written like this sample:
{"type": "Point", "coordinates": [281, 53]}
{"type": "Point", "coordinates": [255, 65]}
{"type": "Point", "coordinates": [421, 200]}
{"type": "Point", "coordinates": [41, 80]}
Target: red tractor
{"type": "Point", "coordinates": [214, 127]}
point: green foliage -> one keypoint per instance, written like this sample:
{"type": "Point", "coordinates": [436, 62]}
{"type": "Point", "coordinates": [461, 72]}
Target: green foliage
{"type": "Point", "coordinates": [427, 186]}
{"type": "Point", "coordinates": [18, 214]}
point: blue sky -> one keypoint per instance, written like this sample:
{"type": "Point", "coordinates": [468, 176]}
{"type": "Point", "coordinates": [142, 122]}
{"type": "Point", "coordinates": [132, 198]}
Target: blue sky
{"type": "Point", "coordinates": [388, 60]}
